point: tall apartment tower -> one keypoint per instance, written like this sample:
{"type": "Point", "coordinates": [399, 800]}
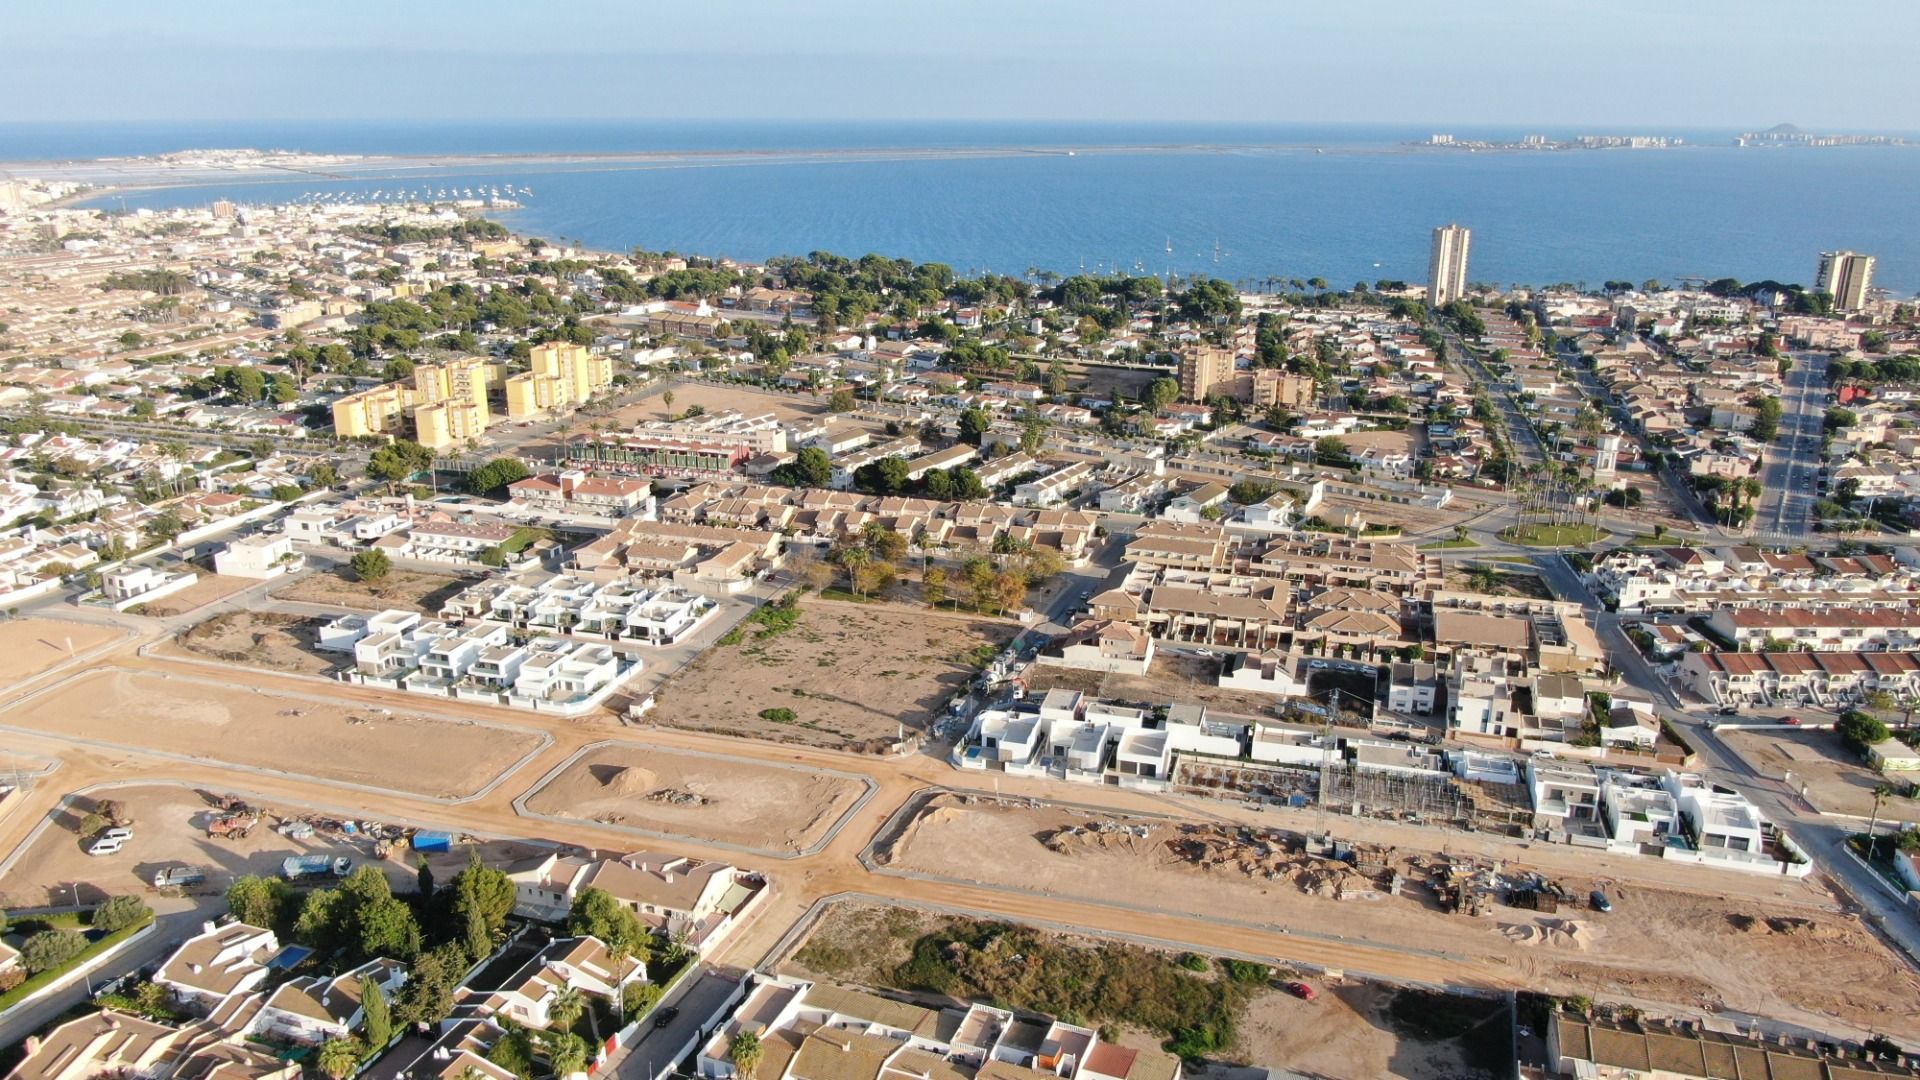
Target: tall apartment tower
{"type": "Point", "coordinates": [1447, 270]}
{"type": "Point", "coordinates": [1203, 367]}
{"type": "Point", "coordinates": [1845, 276]}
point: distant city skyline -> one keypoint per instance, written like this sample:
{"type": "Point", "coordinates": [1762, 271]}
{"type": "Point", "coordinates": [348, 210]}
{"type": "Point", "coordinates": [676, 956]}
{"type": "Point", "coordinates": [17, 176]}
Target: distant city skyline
{"type": "Point", "coordinates": [1578, 62]}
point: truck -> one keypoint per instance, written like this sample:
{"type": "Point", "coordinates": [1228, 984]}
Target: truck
{"type": "Point", "coordinates": [178, 877]}
{"type": "Point", "coordinates": [299, 867]}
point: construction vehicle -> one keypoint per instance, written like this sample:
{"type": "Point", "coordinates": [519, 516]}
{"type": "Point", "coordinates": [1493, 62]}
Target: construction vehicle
{"type": "Point", "coordinates": [232, 826]}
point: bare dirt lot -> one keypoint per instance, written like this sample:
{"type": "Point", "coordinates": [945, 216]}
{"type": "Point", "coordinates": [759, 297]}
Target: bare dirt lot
{"type": "Point", "coordinates": [713, 399]}
{"type": "Point", "coordinates": [729, 800]}
{"type": "Point", "coordinates": [1348, 1032]}
{"type": "Point", "coordinates": [209, 588]}
{"type": "Point", "coordinates": [408, 590]}
{"type": "Point", "coordinates": [169, 829]}
{"type": "Point", "coordinates": [31, 646]}
{"type": "Point", "coordinates": [851, 674]}
{"type": "Point", "coordinates": [1836, 781]}
{"type": "Point", "coordinates": [1689, 949]}
{"type": "Point", "coordinates": [262, 639]}
{"type": "Point", "coordinates": [1172, 677]}
{"type": "Point", "coordinates": [299, 734]}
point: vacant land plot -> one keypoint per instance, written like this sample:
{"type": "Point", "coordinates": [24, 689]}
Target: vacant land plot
{"type": "Point", "coordinates": [1460, 577]}
{"type": "Point", "coordinates": [844, 675]}
{"type": "Point", "coordinates": [1353, 1031]}
{"type": "Point", "coordinates": [31, 646]}
{"type": "Point", "coordinates": [1690, 949]}
{"type": "Point", "coordinates": [261, 639]}
{"type": "Point", "coordinates": [169, 830]}
{"type": "Point", "coordinates": [715, 399]}
{"type": "Point", "coordinates": [1173, 677]}
{"type": "Point", "coordinates": [409, 590]}
{"type": "Point", "coordinates": [209, 588]}
{"type": "Point", "coordinates": [729, 800]}
{"type": "Point", "coordinates": [1835, 779]}
{"type": "Point", "coordinates": [298, 734]}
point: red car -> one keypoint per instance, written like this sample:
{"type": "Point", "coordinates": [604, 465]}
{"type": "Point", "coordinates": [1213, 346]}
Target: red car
{"type": "Point", "coordinates": [1301, 990]}
{"type": "Point", "coordinates": [1791, 721]}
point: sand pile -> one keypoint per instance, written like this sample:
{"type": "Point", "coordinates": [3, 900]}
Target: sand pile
{"type": "Point", "coordinates": [627, 781]}
{"type": "Point", "coordinates": [1563, 933]}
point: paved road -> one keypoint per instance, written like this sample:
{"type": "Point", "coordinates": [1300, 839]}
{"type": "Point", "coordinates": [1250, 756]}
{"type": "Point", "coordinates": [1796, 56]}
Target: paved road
{"type": "Point", "coordinates": [654, 1053]}
{"type": "Point", "coordinates": [177, 920]}
{"type": "Point", "coordinates": [1790, 475]}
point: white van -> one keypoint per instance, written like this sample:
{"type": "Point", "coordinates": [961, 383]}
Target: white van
{"type": "Point", "coordinates": [107, 845]}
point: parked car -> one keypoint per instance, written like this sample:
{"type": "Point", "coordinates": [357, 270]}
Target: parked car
{"type": "Point", "coordinates": [107, 845]}
{"type": "Point", "coordinates": [663, 1017]}
{"type": "Point", "coordinates": [1301, 990]}
{"type": "Point", "coordinates": [1600, 902]}
{"type": "Point", "coordinates": [117, 833]}
{"type": "Point", "coordinates": [1317, 664]}
{"type": "Point", "coordinates": [1790, 721]}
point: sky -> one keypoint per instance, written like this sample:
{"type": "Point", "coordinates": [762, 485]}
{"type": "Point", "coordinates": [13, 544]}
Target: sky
{"type": "Point", "coordinates": [1654, 64]}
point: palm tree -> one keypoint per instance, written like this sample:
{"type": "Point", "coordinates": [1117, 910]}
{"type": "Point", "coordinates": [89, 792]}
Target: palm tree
{"type": "Point", "coordinates": [1881, 793]}
{"type": "Point", "coordinates": [338, 1058]}
{"type": "Point", "coordinates": [1484, 578]}
{"type": "Point", "coordinates": [568, 1004]}
{"type": "Point", "coordinates": [567, 1053]}
{"type": "Point", "coordinates": [667, 400]}
{"type": "Point", "coordinates": [854, 559]}
{"type": "Point", "coordinates": [744, 1052]}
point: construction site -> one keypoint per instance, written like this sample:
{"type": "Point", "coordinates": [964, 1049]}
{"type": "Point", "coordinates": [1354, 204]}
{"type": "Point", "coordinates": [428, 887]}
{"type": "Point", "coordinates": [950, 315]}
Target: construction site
{"type": "Point", "coordinates": [1471, 806]}
{"type": "Point", "coordinates": [1707, 947]}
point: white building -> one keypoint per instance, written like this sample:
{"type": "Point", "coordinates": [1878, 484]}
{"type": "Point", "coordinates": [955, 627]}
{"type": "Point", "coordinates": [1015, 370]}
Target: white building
{"type": "Point", "coordinates": [262, 556]}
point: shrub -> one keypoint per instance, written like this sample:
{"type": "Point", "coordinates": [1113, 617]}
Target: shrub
{"type": "Point", "coordinates": [50, 949]}
{"type": "Point", "coordinates": [778, 715]}
{"type": "Point", "coordinates": [120, 912]}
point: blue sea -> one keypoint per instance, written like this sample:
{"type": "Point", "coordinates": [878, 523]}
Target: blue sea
{"type": "Point", "coordinates": [1241, 203]}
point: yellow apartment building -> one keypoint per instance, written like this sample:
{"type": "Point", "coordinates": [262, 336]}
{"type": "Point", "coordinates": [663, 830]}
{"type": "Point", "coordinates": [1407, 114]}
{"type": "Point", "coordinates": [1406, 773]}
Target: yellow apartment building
{"type": "Point", "coordinates": [558, 376]}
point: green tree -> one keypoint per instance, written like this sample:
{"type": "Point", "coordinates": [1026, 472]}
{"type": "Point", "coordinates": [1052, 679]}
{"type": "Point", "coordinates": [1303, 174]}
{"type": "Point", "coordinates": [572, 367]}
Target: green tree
{"type": "Point", "coordinates": [744, 1051]}
{"type": "Point", "coordinates": [566, 1007]}
{"type": "Point", "coordinates": [666, 399]}
{"type": "Point", "coordinates": [637, 997]}
{"type": "Point", "coordinates": [372, 565]}
{"type": "Point", "coordinates": [973, 425]}
{"type": "Point", "coordinates": [811, 467]}
{"type": "Point", "coordinates": [50, 949]}
{"type": "Point", "coordinates": [120, 912]}
{"type": "Point", "coordinates": [259, 901]}
{"type": "Point", "coordinates": [1859, 731]}
{"type": "Point", "coordinates": [933, 586]}
{"type": "Point", "coordinates": [398, 461]}
{"type": "Point", "coordinates": [379, 1018]}
{"type": "Point", "coordinates": [481, 888]}
{"type": "Point", "coordinates": [566, 1052]}
{"type": "Point", "coordinates": [427, 996]}
{"type": "Point", "coordinates": [1161, 393]}
{"type": "Point", "coordinates": [423, 878]}
{"type": "Point", "coordinates": [478, 940]}
{"type": "Point", "coordinates": [495, 475]}
{"type": "Point", "coordinates": [1766, 419]}
{"type": "Point", "coordinates": [338, 1058]}
{"type": "Point", "coordinates": [387, 928]}
{"type": "Point", "coordinates": [323, 475]}
{"type": "Point", "coordinates": [1330, 448]}
{"type": "Point", "coordinates": [842, 401]}
{"type": "Point", "coordinates": [596, 912]}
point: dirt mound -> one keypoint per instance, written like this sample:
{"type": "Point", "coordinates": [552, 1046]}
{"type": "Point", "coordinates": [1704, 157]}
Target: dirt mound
{"type": "Point", "coordinates": [624, 780]}
{"type": "Point", "coordinates": [1563, 933]}
{"type": "Point", "coordinates": [1785, 927]}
